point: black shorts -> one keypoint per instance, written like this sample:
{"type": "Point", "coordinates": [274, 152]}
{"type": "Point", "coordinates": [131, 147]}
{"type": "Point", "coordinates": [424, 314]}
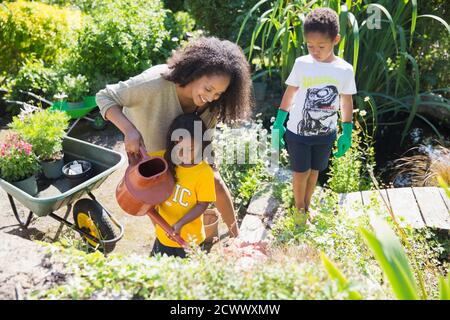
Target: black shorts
{"type": "Point", "coordinates": [158, 247]}
{"type": "Point", "coordinates": [304, 156]}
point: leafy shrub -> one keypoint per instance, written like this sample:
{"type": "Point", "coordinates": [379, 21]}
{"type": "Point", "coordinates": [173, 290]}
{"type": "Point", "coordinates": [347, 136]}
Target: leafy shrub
{"type": "Point", "coordinates": [33, 28]}
{"type": "Point", "coordinates": [17, 161]}
{"type": "Point", "coordinates": [86, 6]}
{"type": "Point", "coordinates": [44, 129]}
{"type": "Point", "coordinates": [351, 172]}
{"type": "Point", "coordinates": [35, 77]}
{"type": "Point", "coordinates": [122, 39]}
{"type": "Point", "coordinates": [180, 24]}
{"type": "Point", "coordinates": [174, 5]}
{"type": "Point", "coordinates": [231, 146]}
{"type": "Point", "coordinates": [432, 47]}
{"type": "Point", "coordinates": [75, 87]}
{"type": "Point", "coordinates": [223, 18]}
{"type": "Point", "coordinates": [201, 276]}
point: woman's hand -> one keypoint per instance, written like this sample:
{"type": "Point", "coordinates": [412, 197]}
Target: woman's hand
{"type": "Point", "coordinates": [133, 141]}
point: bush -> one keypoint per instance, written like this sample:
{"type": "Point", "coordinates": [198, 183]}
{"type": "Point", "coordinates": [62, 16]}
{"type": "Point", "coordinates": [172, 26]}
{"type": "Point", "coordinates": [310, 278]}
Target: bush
{"type": "Point", "coordinates": [223, 18]}
{"type": "Point", "coordinates": [180, 24]}
{"type": "Point", "coordinates": [86, 6]}
{"type": "Point", "coordinates": [123, 38]}
{"type": "Point", "coordinates": [35, 77]}
{"type": "Point", "coordinates": [432, 47]}
{"type": "Point", "coordinates": [174, 5]}
{"type": "Point", "coordinates": [44, 129]}
{"type": "Point", "coordinates": [202, 276]}
{"type": "Point", "coordinates": [75, 87]}
{"type": "Point", "coordinates": [231, 144]}
{"type": "Point", "coordinates": [32, 28]}
{"type": "Point", "coordinates": [351, 172]}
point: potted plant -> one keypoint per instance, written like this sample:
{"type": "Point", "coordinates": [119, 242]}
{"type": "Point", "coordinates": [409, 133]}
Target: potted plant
{"type": "Point", "coordinates": [44, 129]}
{"type": "Point", "coordinates": [75, 89]}
{"type": "Point", "coordinates": [19, 164]}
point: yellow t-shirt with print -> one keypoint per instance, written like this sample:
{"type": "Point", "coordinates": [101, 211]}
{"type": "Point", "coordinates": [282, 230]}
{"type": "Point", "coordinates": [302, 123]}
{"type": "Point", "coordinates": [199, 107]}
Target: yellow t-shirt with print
{"type": "Point", "coordinates": [194, 184]}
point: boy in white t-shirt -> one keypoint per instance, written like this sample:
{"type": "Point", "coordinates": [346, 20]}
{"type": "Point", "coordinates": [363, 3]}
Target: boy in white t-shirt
{"type": "Point", "coordinates": [318, 85]}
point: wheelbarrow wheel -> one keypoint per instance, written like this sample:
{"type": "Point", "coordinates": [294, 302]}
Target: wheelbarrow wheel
{"type": "Point", "coordinates": [90, 217]}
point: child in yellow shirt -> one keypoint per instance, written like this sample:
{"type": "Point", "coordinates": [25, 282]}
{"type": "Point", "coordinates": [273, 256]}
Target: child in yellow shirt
{"type": "Point", "coordinates": [194, 188]}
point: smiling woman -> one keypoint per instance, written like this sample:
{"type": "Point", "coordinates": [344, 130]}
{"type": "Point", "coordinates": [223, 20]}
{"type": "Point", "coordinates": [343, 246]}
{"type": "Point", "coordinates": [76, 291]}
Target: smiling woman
{"type": "Point", "coordinates": [210, 77]}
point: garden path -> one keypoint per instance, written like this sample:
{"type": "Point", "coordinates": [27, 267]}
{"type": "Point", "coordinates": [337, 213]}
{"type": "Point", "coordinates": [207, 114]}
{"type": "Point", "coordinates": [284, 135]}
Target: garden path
{"type": "Point", "coordinates": [418, 206]}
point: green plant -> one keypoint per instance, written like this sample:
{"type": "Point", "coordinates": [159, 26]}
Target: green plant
{"type": "Point", "coordinates": [239, 152]}
{"type": "Point", "coordinates": [283, 191]}
{"type": "Point", "coordinates": [380, 50]}
{"type": "Point", "coordinates": [122, 39]}
{"type": "Point", "coordinates": [86, 6]}
{"type": "Point", "coordinates": [33, 28]}
{"type": "Point", "coordinates": [431, 46]}
{"type": "Point", "coordinates": [392, 258]}
{"type": "Point", "coordinates": [17, 161]}
{"type": "Point", "coordinates": [174, 5]}
{"type": "Point", "coordinates": [350, 172]}
{"type": "Point", "coordinates": [202, 276]}
{"type": "Point", "coordinates": [44, 129]}
{"type": "Point", "coordinates": [180, 24]}
{"type": "Point", "coordinates": [444, 185]}
{"type": "Point", "coordinates": [222, 18]}
{"type": "Point", "coordinates": [335, 274]}
{"type": "Point", "coordinates": [75, 87]}
{"type": "Point", "coordinates": [33, 76]}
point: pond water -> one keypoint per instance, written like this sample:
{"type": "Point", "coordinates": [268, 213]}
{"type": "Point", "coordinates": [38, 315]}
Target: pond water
{"type": "Point", "coordinates": [421, 140]}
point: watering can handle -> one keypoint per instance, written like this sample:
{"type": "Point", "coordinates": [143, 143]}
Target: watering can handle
{"type": "Point", "coordinates": [144, 153]}
{"type": "Point", "coordinates": [157, 219]}
{"type": "Point", "coordinates": [135, 158]}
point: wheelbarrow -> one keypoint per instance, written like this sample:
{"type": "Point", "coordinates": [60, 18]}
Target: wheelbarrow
{"type": "Point", "coordinates": [92, 220]}
{"type": "Point", "coordinates": [76, 111]}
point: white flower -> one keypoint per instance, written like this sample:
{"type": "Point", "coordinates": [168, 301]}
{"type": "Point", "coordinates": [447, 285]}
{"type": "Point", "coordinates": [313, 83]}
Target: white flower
{"type": "Point", "coordinates": [26, 110]}
{"type": "Point", "coordinates": [362, 113]}
{"type": "Point", "coordinates": [59, 96]}
{"type": "Point", "coordinates": [367, 99]}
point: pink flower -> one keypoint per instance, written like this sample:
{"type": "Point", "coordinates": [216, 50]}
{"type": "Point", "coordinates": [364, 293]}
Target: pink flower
{"type": "Point", "coordinates": [27, 148]}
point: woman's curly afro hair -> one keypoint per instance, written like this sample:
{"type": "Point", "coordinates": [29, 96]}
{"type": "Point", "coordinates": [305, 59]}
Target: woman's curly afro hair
{"type": "Point", "coordinates": [211, 56]}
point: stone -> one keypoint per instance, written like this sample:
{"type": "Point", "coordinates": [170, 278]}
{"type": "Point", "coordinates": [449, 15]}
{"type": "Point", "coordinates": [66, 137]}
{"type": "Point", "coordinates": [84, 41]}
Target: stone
{"type": "Point", "coordinates": [263, 202]}
{"type": "Point", "coordinates": [252, 229]}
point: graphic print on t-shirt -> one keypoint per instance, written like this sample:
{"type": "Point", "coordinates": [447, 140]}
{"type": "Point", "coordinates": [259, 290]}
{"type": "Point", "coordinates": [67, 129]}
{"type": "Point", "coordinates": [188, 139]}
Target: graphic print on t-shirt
{"type": "Point", "coordinates": [321, 105]}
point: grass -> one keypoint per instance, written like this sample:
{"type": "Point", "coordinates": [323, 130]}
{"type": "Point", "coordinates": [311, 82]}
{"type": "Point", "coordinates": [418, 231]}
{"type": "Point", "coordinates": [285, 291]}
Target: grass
{"type": "Point", "coordinates": [425, 168]}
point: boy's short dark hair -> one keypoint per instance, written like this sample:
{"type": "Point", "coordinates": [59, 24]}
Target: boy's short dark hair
{"type": "Point", "coordinates": [324, 20]}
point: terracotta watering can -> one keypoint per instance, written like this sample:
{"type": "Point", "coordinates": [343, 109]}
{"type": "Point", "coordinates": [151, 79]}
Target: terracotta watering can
{"type": "Point", "coordinates": [146, 183]}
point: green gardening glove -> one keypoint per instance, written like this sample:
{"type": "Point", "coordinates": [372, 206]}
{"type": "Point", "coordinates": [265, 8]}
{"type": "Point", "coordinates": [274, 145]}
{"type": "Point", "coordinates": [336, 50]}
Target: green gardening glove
{"type": "Point", "coordinates": [278, 126]}
{"type": "Point", "coordinates": [345, 139]}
